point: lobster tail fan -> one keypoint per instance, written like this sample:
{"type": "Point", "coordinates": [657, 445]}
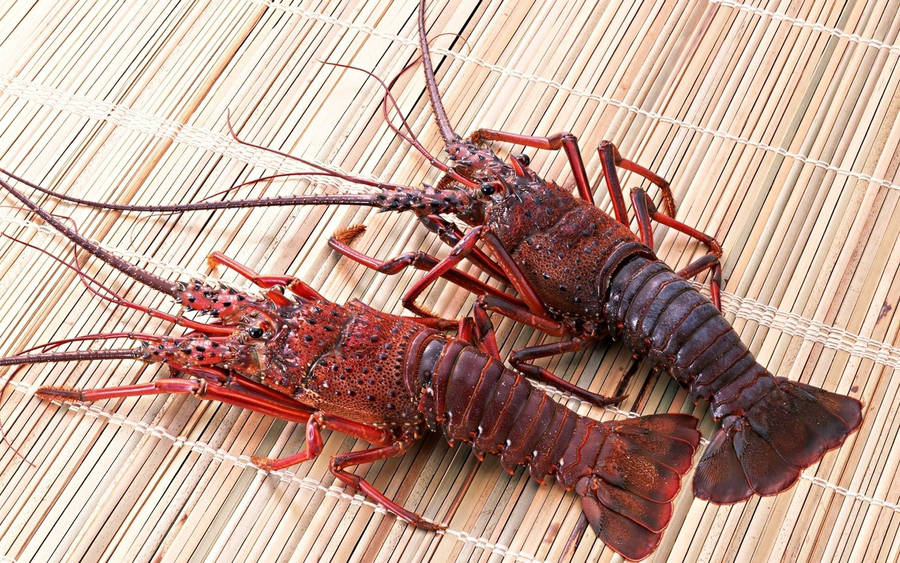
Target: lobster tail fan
{"type": "Point", "coordinates": [764, 450]}
{"type": "Point", "coordinates": [628, 498]}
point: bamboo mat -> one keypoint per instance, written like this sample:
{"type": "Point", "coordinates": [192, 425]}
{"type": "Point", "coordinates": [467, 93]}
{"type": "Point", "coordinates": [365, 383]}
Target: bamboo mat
{"type": "Point", "coordinates": [775, 122]}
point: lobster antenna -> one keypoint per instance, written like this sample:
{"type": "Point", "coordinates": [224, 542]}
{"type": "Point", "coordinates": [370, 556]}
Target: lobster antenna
{"type": "Point", "coordinates": [411, 137]}
{"type": "Point", "coordinates": [21, 360]}
{"type": "Point", "coordinates": [118, 300]}
{"type": "Point", "coordinates": [325, 199]}
{"type": "Point", "coordinates": [389, 100]}
{"type": "Point", "coordinates": [131, 270]}
{"type": "Point", "coordinates": [73, 356]}
{"type": "Point", "coordinates": [440, 114]}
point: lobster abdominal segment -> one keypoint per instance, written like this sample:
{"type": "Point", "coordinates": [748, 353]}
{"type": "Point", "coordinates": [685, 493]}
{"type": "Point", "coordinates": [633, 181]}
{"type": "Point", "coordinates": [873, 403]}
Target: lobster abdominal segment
{"type": "Point", "coordinates": [771, 429]}
{"type": "Point", "coordinates": [475, 399]}
{"type": "Point", "coordinates": [660, 315]}
{"type": "Point", "coordinates": [627, 472]}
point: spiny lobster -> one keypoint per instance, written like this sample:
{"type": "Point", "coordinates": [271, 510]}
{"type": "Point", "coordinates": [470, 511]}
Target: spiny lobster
{"type": "Point", "coordinates": [583, 275]}
{"type": "Point", "coordinates": [389, 380]}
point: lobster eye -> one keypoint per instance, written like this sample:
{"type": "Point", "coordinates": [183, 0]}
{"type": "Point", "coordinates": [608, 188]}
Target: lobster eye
{"type": "Point", "coordinates": [524, 159]}
{"type": "Point", "coordinates": [487, 189]}
{"type": "Point", "coordinates": [255, 332]}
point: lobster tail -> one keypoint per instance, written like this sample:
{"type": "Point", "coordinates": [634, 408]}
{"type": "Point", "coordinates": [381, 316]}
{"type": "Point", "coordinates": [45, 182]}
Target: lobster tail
{"type": "Point", "coordinates": [626, 472]}
{"type": "Point", "coordinates": [627, 494]}
{"type": "Point", "coordinates": [764, 450]}
{"type": "Point", "coordinates": [771, 428]}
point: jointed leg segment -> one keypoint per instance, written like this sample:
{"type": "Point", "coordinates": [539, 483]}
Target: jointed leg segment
{"type": "Point", "coordinates": [609, 160]}
{"type": "Point", "coordinates": [565, 141]}
{"type": "Point", "coordinates": [646, 210]}
{"type": "Point", "coordinates": [398, 448]}
{"type": "Point", "coordinates": [292, 284]}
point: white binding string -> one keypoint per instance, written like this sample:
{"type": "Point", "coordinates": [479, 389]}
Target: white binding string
{"type": "Point", "coordinates": [147, 123]}
{"type": "Point", "coordinates": [529, 77]}
{"type": "Point", "coordinates": [811, 330]}
{"type": "Point", "coordinates": [245, 462]}
{"type": "Point", "coordinates": [799, 22]}
{"type": "Point", "coordinates": [29, 389]}
{"type": "Point", "coordinates": [223, 144]}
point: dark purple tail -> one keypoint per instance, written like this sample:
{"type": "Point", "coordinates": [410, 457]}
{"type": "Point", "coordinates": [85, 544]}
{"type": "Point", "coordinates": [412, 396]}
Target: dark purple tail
{"type": "Point", "coordinates": [764, 450]}
{"type": "Point", "coordinates": [627, 498]}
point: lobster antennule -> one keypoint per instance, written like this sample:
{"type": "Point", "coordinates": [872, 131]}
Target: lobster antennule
{"type": "Point", "coordinates": [764, 450]}
{"type": "Point", "coordinates": [131, 270]}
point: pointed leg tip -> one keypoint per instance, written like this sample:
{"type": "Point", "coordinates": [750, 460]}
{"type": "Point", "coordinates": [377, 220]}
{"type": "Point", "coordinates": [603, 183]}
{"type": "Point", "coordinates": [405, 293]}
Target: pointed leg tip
{"type": "Point", "coordinates": [63, 394]}
{"type": "Point", "coordinates": [263, 463]}
{"type": "Point", "coordinates": [420, 522]}
{"type": "Point", "coordinates": [348, 235]}
{"type": "Point", "coordinates": [602, 401]}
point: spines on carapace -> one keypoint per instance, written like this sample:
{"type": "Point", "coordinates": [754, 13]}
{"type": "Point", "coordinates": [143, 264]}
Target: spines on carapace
{"type": "Point", "coordinates": [627, 472]}
{"type": "Point", "coordinates": [771, 427]}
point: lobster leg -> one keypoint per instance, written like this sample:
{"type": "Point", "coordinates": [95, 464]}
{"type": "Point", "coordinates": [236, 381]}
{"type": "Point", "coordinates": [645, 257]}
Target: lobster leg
{"type": "Point", "coordinates": [515, 275]}
{"type": "Point", "coordinates": [341, 241]}
{"type": "Point", "coordinates": [451, 235]}
{"type": "Point", "coordinates": [293, 284]}
{"type": "Point", "coordinates": [520, 358]}
{"type": "Point", "coordinates": [314, 427]}
{"type": "Point", "coordinates": [609, 160]}
{"type": "Point", "coordinates": [645, 210]}
{"type": "Point", "coordinates": [478, 331]}
{"type": "Point", "coordinates": [203, 389]}
{"type": "Point", "coordinates": [398, 448]}
{"type": "Point", "coordinates": [440, 270]}
{"type": "Point", "coordinates": [521, 314]}
{"type": "Point", "coordinates": [565, 141]}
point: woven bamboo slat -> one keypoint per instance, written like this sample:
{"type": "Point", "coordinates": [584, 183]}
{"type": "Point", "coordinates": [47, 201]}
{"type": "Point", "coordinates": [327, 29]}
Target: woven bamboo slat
{"type": "Point", "coordinates": [776, 122]}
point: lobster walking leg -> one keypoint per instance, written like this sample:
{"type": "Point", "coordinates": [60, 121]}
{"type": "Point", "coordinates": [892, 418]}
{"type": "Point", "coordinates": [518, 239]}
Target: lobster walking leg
{"type": "Point", "coordinates": [515, 275]}
{"type": "Point", "coordinates": [484, 336]}
{"type": "Point", "coordinates": [520, 358]}
{"type": "Point", "coordinates": [565, 141]}
{"type": "Point", "coordinates": [645, 210]}
{"type": "Point", "coordinates": [202, 389]}
{"type": "Point", "coordinates": [439, 270]}
{"type": "Point", "coordinates": [609, 160]}
{"type": "Point", "coordinates": [293, 284]}
{"type": "Point", "coordinates": [398, 448]}
{"type": "Point", "coordinates": [314, 442]}
{"type": "Point", "coordinates": [341, 241]}
{"type": "Point", "coordinates": [521, 314]}
{"type": "Point", "coordinates": [451, 235]}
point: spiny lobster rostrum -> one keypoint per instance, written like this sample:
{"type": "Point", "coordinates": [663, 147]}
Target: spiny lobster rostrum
{"type": "Point", "coordinates": [583, 275]}
{"type": "Point", "coordinates": [389, 380]}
